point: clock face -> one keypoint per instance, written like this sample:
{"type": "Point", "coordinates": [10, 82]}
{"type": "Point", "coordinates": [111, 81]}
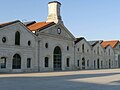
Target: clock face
{"type": "Point", "coordinates": [58, 30]}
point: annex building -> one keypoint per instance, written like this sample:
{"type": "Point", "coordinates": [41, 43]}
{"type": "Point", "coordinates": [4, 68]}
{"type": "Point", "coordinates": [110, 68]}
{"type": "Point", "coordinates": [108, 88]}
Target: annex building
{"type": "Point", "coordinates": [50, 46]}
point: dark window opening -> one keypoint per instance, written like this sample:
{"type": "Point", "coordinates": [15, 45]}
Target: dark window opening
{"type": "Point", "coordinates": [67, 62]}
{"type": "Point", "coordinates": [4, 39]}
{"type": "Point", "coordinates": [83, 48]}
{"type": "Point", "coordinates": [46, 61]}
{"type": "Point", "coordinates": [46, 45]}
{"type": "Point", "coordinates": [29, 43]}
{"type": "Point", "coordinates": [67, 48]}
{"type": "Point", "coordinates": [109, 52]}
{"type": "Point", "coordinates": [17, 38]}
{"type": "Point", "coordinates": [83, 63]}
{"type": "Point", "coordinates": [28, 62]}
{"type": "Point", "coordinates": [94, 64]}
{"type": "Point", "coordinates": [78, 63]}
{"type": "Point", "coordinates": [87, 63]}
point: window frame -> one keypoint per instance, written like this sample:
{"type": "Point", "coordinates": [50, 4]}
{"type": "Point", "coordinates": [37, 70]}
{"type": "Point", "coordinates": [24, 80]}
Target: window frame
{"type": "Point", "coordinates": [28, 62]}
{"type": "Point", "coordinates": [3, 65]}
{"type": "Point", "coordinates": [46, 62]}
{"type": "Point", "coordinates": [17, 38]}
{"type": "Point", "coordinates": [68, 62]}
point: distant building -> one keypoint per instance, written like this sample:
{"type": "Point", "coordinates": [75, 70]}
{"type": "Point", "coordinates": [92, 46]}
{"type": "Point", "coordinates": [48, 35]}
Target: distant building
{"type": "Point", "coordinates": [50, 46]}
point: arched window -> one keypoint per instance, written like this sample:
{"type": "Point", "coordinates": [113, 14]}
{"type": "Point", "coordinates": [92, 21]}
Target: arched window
{"type": "Point", "coordinates": [67, 48]}
{"type": "Point", "coordinates": [83, 63]}
{"type": "Point", "coordinates": [29, 43]}
{"type": "Point", "coordinates": [83, 48]}
{"type": "Point", "coordinates": [98, 50]}
{"type": "Point", "coordinates": [109, 52]}
{"type": "Point", "coordinates": [16, 62]}
{"type": "Point", "coordinates": [46, 45]}
{"type": "Point", "coordinates": [57, 57]}
{"type": "Point", "coordinates": [17, 38]}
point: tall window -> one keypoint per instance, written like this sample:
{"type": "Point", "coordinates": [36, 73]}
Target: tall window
{"type": "Point", "coordinates": [46, 61]}
{"type": "Point", "coordinates": [17, 38]}
{"type": "Point", "coordinates": [87, 63]}
{"type": "Point", "coordinates": [28, 62]}
{"type": "Point", "coordinates": [98, 50]}
{"type": "Point", "coordinates": [67, 48]}
{"type": "Point", "coordinates": [46, 45]}
{"type": "Point", "coordinates": [68, 62]}
{"type": "Point", "coordinates": [101, 64]}
{"type": "Point", "coordinates": [83, 48]}
{"type": "Point", "coordinates": [3, 62]}
{"type": "Point", "coordinates": [109, 52]}
{"type": "Point", "coordinates": [94, 64]}
{"type": "Point", "coordinates": [83, 63]}
{"type": "Point", "coordinates": [16, 61]}
{"type": "Point", "coordinates": [78, 63]}
{"type": "Point", "coordinates": [109, 63]}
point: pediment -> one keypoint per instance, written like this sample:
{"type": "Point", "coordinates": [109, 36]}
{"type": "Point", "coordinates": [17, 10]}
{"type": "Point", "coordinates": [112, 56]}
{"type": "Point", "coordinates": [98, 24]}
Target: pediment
{"type": "Point", "coordinates": [58, 30]}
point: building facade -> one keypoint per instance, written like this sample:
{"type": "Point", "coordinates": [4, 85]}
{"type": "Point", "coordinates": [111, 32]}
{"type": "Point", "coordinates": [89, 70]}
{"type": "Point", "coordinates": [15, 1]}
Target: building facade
{"type": "Point", "coordinates": [50, 46]}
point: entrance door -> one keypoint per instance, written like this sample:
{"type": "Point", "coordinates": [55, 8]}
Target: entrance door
{"type": "Point", "coordinates": [57, 56]}
{"type": "Point", "coordinates": [16, 62]}
{"type": "Point", "coordinates": [83, 63]}
{"type": "Point", "coordinates": [98, 64]}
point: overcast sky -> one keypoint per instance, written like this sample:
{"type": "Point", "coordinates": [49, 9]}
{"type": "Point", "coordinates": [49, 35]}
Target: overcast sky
{"type": "Point", "coordinates": [93, 19]}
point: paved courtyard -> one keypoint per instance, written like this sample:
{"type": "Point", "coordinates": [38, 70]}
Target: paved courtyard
{"type": "Point", "coordinates": [108, 79]}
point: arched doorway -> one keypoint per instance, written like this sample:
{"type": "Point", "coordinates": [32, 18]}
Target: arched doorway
{"type": "Point", "coordinates": [16, 64]}
{"type": "Point", "coordinates": [83, 63]}
{"type": "Point", "coordinates": [57, 58]}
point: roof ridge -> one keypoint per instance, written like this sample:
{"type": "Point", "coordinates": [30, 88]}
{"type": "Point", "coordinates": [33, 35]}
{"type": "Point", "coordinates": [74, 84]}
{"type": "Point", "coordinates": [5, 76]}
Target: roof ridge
{"type": "Point", "coordinates": [8, 23]}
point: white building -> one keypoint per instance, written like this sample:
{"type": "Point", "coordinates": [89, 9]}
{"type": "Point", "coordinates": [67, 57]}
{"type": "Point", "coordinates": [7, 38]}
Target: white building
{"type": "Point", "coordinates": [48, 46]}
{"type": "Point", "coordinates": [83, 56]}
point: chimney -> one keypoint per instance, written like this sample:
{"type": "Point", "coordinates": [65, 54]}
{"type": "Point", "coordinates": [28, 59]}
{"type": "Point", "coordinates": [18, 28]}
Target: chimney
{"type": "Point", "coordinates": [54, 12]}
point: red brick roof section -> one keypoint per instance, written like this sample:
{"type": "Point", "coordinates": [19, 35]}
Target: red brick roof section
{"type": "Point", "coordinates": [112, 43]}
{"type": "Point", "coordinates": [40, 25]}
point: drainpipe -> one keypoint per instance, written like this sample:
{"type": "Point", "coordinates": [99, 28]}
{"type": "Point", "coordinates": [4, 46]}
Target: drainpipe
{"type": "Point", "coordinates": [38, 55]}
{"type": "Point", "coordinates": [74, 55]}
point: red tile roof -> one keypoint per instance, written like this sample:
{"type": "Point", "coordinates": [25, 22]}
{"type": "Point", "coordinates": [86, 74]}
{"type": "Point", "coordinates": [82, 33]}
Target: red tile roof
{"type": "Point", "coordinates": [112, 43]}
{"type": "Point", "coordinates": [40, 25]}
